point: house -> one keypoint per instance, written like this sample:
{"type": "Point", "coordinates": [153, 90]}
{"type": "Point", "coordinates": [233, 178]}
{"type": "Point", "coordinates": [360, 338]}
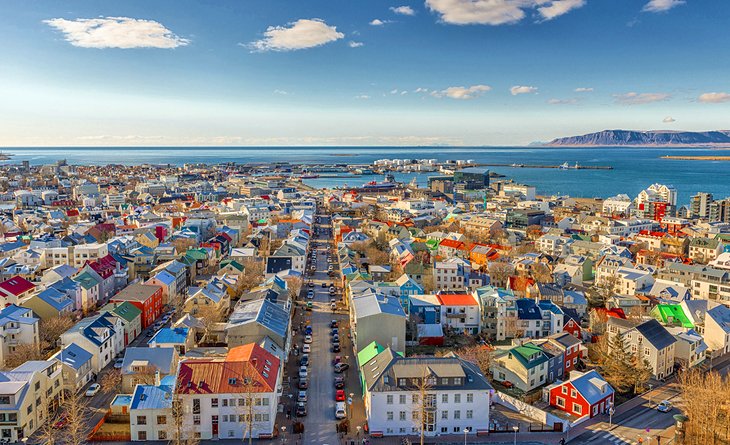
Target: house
{"type": "Point", "coordinates": [14, 290]}
{"type": "Point", "coordinates": [101, 335]}
{"type": "Point", "coordinates": [690, 349]}
{"type": "Point", "coordinates": [166, 281]}
{"type": "Point", "coordinates": [146, 297]}
{"type": "Point", "coordinates": [252, 321]}
{"type": "Point", "coordinates": [214, 297]}
{"type": "Point", "coordinates": [648, 340]}
{"type": "Point", "coordinates": [583, 394]}
{"type": "Point", "coordinates": [90, 285]}
{"type": "Point", "coordinates": [76, 367]}
{"type": "Point", "coordinates": [494, 304]}
{"type": "Point", "coordinates": [143, 366]}
{"type": "Point", "coordinates": [18, 326]}
{"type": "Point", "coordinates": [704, 250]}
{"type": "Point", "coordinates": [274, 265]}
{"type": "Point", "coordinates": [131, 317]}
{"type": "Point", "coordinates": [525, 366]}
{"type": "Point", "coordinates": [180, 338]}
{"type": "Point", "coordinates": [378, 318]}
{"type": "Point", "coordinates": [569, 346]}
{"type": "Point", "coordinates": [49, 303]}
{"type": "Point", "coordinates": [27, 394]}
{"type": "Point", "coordinates": [457, 399]}
{"type": "Point", "coordinates": [150, 412]}
{"type": "Point", "coordinates": [424, 309]}
{"type": "Point", "coordinates": [221, 392]}
{"type": "Point", "coordinates": [460, 312]}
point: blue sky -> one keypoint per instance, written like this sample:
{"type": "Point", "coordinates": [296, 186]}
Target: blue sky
{"type": "Point", "coordinates": [370, 72]}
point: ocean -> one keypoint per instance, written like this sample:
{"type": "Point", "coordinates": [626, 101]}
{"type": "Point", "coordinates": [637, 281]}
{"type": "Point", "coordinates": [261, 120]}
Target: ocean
{"type": "Point", "coordinates": [633, 168]}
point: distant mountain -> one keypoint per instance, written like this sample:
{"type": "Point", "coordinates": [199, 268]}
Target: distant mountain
{"type": "Point", "coordinates": [645, 138]}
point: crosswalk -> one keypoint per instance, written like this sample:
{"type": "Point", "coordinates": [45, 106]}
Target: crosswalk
{"type": "Point", "coordinates": [614, 438]}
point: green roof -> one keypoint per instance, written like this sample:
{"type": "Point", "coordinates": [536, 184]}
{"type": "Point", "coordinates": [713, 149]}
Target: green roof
{"type": "Point", "coordinates": [673, 313]}
{"type": "Point", "coordinates": [369, 352]}
{"type": "Point", "coordinates": [197, 254]}
{"type": "Point", "coordinates": [524, 352]}
{"type": "Point", "coordinates": [86, 280]}
{"type": "Point", "coordinates": [432, 244]}
{"type": "Point", "coordinates": [126, 310]}
{"type": "Point", "coordinates": [235, 264]}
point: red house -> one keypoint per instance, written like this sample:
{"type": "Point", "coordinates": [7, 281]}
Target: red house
{"type": "Point", "coordinates": [570, 346]}
{"type": "Point", "coordinates": [572, 327]}
{"type": "Point", "coordinates": [14, 289]}
{"type": "Point", "coordinates": [146, 297]}
{"type": "Point", "coordinates": [584, 394]}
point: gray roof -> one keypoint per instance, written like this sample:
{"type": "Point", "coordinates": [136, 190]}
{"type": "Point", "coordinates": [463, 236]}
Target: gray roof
{"type": "Point", "coordinates": [656, 334]}
{"type": "Point", "coordinates": [270, 315]}
{"type": "Point", "coordinates": [368, 305]}
{"type": "Point", "coordinates": [161, 358]}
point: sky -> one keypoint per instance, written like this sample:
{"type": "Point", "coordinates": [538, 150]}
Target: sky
{"type": "Point", "coordinates": [357, 72]}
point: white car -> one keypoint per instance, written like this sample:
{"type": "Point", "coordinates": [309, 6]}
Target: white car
{"type": "Point", "coordinates": [664, 406]}
{"type": "Point", "coordinates": [307, 339]}
{"type": "Point", "coordinates": [118, 363]}
{"type": "Point", "coordinates": [302, 372]}
{"type": "Point", "coordinates": [93, 389]}
{"type": "Point", "coordinates": [307, 349]}
{"type": "Point", "coordinates": [340, 412]}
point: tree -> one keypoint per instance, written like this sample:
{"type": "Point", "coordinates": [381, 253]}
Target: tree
{"type": "Point", "coordinates": [618, 365]}
{"type": "Point", "coordinates": [182, 245]}
{"type": "Point", "coordinates": [209, 314]}
{"type": "Point", "coordinates": [603, 291]}
{"type": "Point", "coordinates": [499, 272]}
{"type": "Point", "coordinates": [541, 273]}
{"type": "Point", "coordinates": [534, 232]}
{"type": "Point", "coordinates": [705, 398]}
{"type": "Point", "coordinates": [480, 355]}
{"type": "Point", "coordinates": [424, 403]}
{"type": "Point", "coordinates": [640, 372]}
{"type": "Point", "coordinates": [294, 287]}
{"type": "Point", "coordinates": [52, 328]}
{"type": "Point", "coordinates": [75, 410]}
{"type": "Point", "coordinates": [110, 381]}
{"type": "Point", "coordinates": [252, 274]}
{"type": "Point", "coordinates": [181, 434]}
{"type": "Point", "coordinates": [22, 353]}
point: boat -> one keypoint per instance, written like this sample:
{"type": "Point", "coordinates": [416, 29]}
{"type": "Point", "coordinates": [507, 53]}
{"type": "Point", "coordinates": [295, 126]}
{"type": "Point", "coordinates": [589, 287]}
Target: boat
{"type": "Point", "coordinates": [309, 176]}
{"type": "Point", "coordinates": [388, 184]}
{"type": "Point", "coordinates": [414, 182]}
{"type": "Point", "coordinates": [564, 166]}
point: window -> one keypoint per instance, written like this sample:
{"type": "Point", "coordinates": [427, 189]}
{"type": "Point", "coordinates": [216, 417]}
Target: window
{"type": "Point", "coordinates": [141, 420]}
{"type": "Point", "coordinates": [37, 386]}
{"type": "Point", "coordinates": [389, 415]}
{"type": "Point", "coordinates": [225, 402]}
{"type": "Point", "coordinates": [577, 408]}
{"type": "Point", "coordinates": [470, 398]}
{"type": "Point", "coordinates": [214, 402]}
{"type": "Point", "coordinates": [444, 415]}
{"type": "Point", "coordinates": [162, 435]}
{"type": "Point", "coordinates": [414, 399]}
{"type": "Point", "coordinates": [457, 398]}
{"type": "Point", "coordinates": [141, 435]}
{"type": "Point", "coordinates": [469, 414]}
{"type": "Point", "coordinates": [444, 398]}
{"type": "Point", "coordinates": [573, 394]}
{"type": "Point", "coordinates": [402, 415]}
{"type": "Point", "coordinates": [196, 406]}
{"type": "Point", "coordinates": [444, 429]}
{"type": "Point", "coordinates": [457, 414]}
{"type": "Point", "coordinates": [402, 399]}
{"type": "Point", "coordinates": [4, 400]}
{"type": "Point", "coordinates": [162, 420]}
{"type": "Point", "coordinates": [389, 399]}
{"type": "Point", "coordinates": [230, 433]}
{"type": "Point", "coordinates": [196, 419]}
{"type": "Point", "coordinates": [560, 401]}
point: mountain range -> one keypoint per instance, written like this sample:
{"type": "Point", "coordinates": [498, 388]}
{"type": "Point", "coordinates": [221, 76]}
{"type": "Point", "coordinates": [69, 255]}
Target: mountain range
{"type": "Point", "coordinates": [645, 138]}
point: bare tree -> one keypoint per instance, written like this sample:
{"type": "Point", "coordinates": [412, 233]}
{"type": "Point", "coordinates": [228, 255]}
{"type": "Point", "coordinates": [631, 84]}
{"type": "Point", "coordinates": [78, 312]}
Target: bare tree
{"type": "Point", "coordinates": [602, 291]}
{"type": "Point", "coordinates": [705, 397]}
{"type": "Point", "coordinates": [75, 410]}
{"type": "Point", "coordinates": [424, 403]}
{"type": "Point", "coordinates": [541, 273]}
{"type": "Point", "coordinates": [294, 287]}
{"type": "Point", "coordinates": [24, 352]}
{"type": "Point", "coordinates": [209, 314]}
{"type": "Point", "coordinates": [51, 329]}
{"type": "Point", "coordinates": [181, 434]}
{"type": "Point", "coordinates": [110, 381]}
{"type": "Point", "coordinates": [479, 355]}
{"type": "Point", "coordinates": [499, 272]}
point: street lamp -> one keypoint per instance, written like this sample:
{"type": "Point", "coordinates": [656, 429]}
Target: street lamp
{"type": "Point", "coordinates": [466, 431]}
{"type": "Point", "coordinates": [516, 428]}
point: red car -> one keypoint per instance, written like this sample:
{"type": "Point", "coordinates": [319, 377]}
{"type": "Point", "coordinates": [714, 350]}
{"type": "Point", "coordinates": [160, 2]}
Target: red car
{"type": "Point", "coordinates": [61, 422]}
{"type": "Point", "coordinates": [507, 384]}
{"type": "Point", "coordinates": [340, 395]}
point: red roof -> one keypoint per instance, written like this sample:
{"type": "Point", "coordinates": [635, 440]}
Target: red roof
{"type": "Point", "coordinates": [226, 376]}
{"type": "Point", "coordinates": [456, 299]}
{"type": "Point", "coordinates": [16, 285]}
{"type": "Point", "coordinates": [452, 243]}
{"type": "Point", "coordinates": [104, 266]}
{"type": "Point", "coordinates": [520, 283]}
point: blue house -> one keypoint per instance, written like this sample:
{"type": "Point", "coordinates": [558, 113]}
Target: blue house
{"type": "Point", "coordinates": [426, 309]}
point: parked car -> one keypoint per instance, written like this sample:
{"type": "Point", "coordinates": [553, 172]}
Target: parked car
{"type": "Point", "coordinates": [302, 372]}
{"type": "Point", "coordinates": [334, 324]}
{"type": "Point", "coordinates": [340, 412]}
{"type": "Point", "coordinates": [507, 384]}
{"type": "Point", "coordinates": [335, 347]}
{"type": "Point", "coordinates": [61, 422]}
{"type": "Point", "coordinates": [308, 330]}
{"type": "Point", "coordinates": [340, 395]}
{"type": "Point", "coordinates": [303, 384]}
{"type": "Point", "coordinates": [301, 409]}
{"type": "Point", "coordinates": [308, 339]}
{"type": "Point", "coordinates": [335, 331]}
{"type": "Point", "coordinates": [309, 305]}
{"type": "Point", "coordinates": [664, 406]}
{"type": "Point", "coordinates": [304, 361]}
{"type": "Point", "coordinates": [335, 338]}
{"type": "Point", "coordinates": [310, 294]}
{"type": "Point", "coordinates": [302, 396]}
{"type": "Point", "coordinates": [307, 349]}
{"type": "Point", "coordinates": [333, 306]}
{"type": "Point", "coordinates": [324, 285]}
{"type": "Point", "coordinates": [93, 389]}
{"type": "Point", "coordinates": [311, 283]}
{"type": "Point", "coordinates": [341, 367]}
{"type": "Point", "coordinates": [339, 382]}
{"type": "Point", "coordinates": [336, 360]}
{"type": "Point", "coordinates": [118, 363]}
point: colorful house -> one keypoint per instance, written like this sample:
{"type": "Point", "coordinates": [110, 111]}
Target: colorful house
{"type": "Point", "coordinates": [584, 394]}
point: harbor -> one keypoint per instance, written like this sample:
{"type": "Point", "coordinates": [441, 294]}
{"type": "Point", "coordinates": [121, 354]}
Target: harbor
{"type": "Point", "coordinates": [564, 166]}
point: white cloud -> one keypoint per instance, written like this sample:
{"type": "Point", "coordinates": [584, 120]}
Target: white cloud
{"type": "Point", "coordinates": [377, 22]}
{"type": "Point", "coordinates": [282, 92]}
{"type": "Point", "coordinates": [462, 93]}
{"type": "Point", "coordinates": [302, 34]}
{"type": "Point", "coordinates": [353, 44]}
{"type": "Point", "coordinates": [661, 5]}
{"type": "Point", "coordinates": [403, 93]}
{"type": "Point", "coordinates": [394, 91]}
{"type": "Point", "coordinates": [714, 98]}
{"type": "Point", "coordinates": [498, 12]}
{"type": "Point", "coordinates": [562, 101]}
{"type": "Point", "coordinates": [517, 89]}
{"type": "Point", "coordinates": [362, 97]}
{"type": "Point", "coordinates": [669, 120]}
{"type": "Point", "coordinates": [640, 98]}
{"type": "Point", "coordinates": [403, 10]}
{"type": "Point", "coordinates": [420, 90]}
{"type": "Point", "coordinates": [117, 32]}
{"type": "Point", "coordinates": [557, 8]}
{"type": "Point", "coordinates": [583, 90]}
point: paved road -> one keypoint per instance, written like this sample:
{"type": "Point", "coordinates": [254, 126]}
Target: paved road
{"type": "Point", "coordinates": [320, 424]}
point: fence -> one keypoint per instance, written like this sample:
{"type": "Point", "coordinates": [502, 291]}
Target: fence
{"type": "Point", "coordinates": [526, 409]}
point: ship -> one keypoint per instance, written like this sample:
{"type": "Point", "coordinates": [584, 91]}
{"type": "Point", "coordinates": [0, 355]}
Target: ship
{"type": "Point", "coordinates": [564, 166]}
{"type": "Point", "coordinates": [309, 176]}
{"type": "Point", "coordinates": [388, 184]}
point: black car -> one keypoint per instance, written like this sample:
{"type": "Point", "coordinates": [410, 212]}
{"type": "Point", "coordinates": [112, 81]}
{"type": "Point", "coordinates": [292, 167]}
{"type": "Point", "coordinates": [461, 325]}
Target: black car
{"type": "Point", "coordinates": [336, 347]}
{"type": "Point", "coordinates": [304, 361]}
{"type": "Point", "coordinates": [303, 384]}
{"type": "Point", "coordinates": [324, 285]}
{"type": "Point", "coordinates": [336, 338]}
{"type": "Point", "coordinates": [301, 409]}
{"type": "Point", "coordinates": [341, 367]}
{"type": "Point", "coordinates": [335, 331]}
{"type": "Point", "coordinates": [339, 382]}
{"type": "Point", "coordinates": [334, 324]}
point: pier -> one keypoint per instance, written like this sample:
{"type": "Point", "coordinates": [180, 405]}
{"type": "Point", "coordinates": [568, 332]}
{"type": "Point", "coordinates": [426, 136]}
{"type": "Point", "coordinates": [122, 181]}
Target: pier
{"type": "Point", "coordinates": [562, 167]}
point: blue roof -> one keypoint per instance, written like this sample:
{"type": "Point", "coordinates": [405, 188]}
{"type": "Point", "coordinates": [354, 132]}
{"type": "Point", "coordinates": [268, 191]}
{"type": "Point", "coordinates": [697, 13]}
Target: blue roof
{"type": "Point", "coordinates": [161, 358]}
{"type": "Point", "coordinates": [165, 277]}
{"type": "Point", "coordinates": [16, 314]}
{"type": "Point", "coordinates": [547, 305]}
{"type": "Point", "coordinates": [588, 385]}
{"type": "Point", "coordinates": [55, 298]}
{"type": "Point", "coordinates": [527, 309]}
{"type": "Point", "coordinates": [73, 355]}
{"type": "Point", "coordinates": [151, 397]}
{"type": "Point", "coordinates": [7, 247]}
{"type": "Point", "coordinates": [268, 314]}
{"type": "Point", "coordinates": [170, 335]}
{"type": "Point", "coordinates": [65, 285]}
{"type": "Point", "coordinates": [122, 400]}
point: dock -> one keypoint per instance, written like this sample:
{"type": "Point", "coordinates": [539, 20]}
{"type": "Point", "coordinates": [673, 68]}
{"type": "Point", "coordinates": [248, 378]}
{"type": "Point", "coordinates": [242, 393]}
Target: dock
{"type": "Point", "coordinates": [561, 167]}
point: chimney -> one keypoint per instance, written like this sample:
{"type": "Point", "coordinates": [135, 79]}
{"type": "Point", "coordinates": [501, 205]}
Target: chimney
{"type": "Point", "coordinates": [157, 377]}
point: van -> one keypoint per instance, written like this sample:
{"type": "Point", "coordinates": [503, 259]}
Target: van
{"type": "Point", "coordinates": [340, 412]}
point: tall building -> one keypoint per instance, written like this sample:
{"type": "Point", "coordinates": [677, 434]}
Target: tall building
{"type": "Point", "coordinates": [720, 211]}
{"type": "Point", "coordinates": [700, 205]}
